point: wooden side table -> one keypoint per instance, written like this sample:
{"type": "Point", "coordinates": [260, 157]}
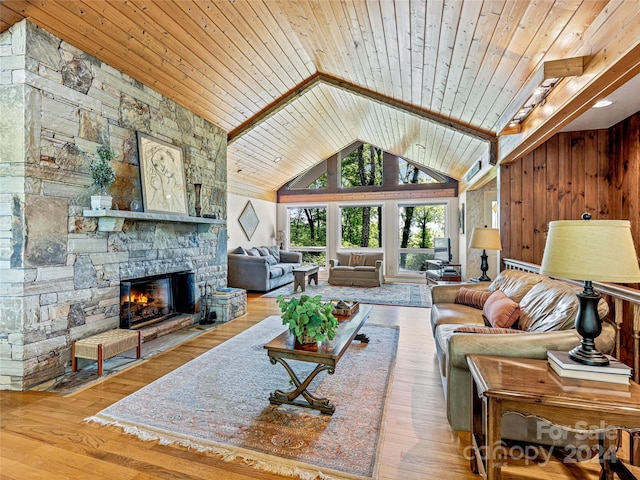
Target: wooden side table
{"type": "Point", "coordinates": [530, 388]}
{"type": "Point", "coordinates": [300, 273]}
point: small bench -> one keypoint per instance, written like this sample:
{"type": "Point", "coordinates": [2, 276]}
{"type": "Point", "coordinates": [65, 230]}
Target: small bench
{"type": "Point", "coordinates": [105, 345]}
{"type": "Point", "coordinates": [300, 273]}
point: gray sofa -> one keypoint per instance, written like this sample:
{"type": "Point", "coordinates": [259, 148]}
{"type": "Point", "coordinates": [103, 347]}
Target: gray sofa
{"type": "Point", "coordinates": [365, 271]}
{"type": "Point", "coordinates": [261, 269]}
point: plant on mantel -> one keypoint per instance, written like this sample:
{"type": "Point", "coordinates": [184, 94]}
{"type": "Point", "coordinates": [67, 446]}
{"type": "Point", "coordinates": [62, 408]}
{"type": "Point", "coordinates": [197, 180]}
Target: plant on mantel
{"type": "Point", "coordinates": [309, 319]}
{"type": "Point", "coordinates": [103, 175]}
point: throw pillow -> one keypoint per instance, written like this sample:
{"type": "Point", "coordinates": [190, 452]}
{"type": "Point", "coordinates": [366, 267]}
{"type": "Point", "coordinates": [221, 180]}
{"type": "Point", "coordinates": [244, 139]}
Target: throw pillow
{"type": "Point", "coordinates": [253, 252]}
{"type": "Point", "coordinates": [484, 329]}
{"type": "Point", "coordinates": [357, 259]}
{"type": "Point", "coordinates": [270, 259]}
{"type": "Point", "coordinates": [240, 251]}
{"type": "Point", "coordinates": [275, 251]}
{"type": "Point", "coordinates": [472, 298]}
{"type": "Point", "coordinates": [500, 310]}
{"type": "Point", "coordinates": [264, 251]}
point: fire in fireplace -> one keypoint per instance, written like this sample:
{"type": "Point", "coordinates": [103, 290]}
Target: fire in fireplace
{"type": "Point", "coordinates": [151, 299]}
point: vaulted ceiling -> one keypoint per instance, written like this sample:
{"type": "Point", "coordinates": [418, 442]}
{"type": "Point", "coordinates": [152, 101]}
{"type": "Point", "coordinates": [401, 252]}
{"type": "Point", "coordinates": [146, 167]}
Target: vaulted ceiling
{"type": "Point", "coordinates": [301, 79]}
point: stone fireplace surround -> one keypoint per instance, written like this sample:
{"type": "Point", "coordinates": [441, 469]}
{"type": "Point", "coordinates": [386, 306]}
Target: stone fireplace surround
{"type": "Point", "coordinates": [60, 273]}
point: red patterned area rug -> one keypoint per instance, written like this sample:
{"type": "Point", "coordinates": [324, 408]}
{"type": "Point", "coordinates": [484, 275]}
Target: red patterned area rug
{"type": "Point", "coordinates": [219, 403]}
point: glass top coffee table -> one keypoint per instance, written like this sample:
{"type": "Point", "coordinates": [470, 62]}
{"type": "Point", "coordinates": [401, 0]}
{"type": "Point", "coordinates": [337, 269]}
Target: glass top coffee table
{"type": "Point", "coordinates": [325, 355]}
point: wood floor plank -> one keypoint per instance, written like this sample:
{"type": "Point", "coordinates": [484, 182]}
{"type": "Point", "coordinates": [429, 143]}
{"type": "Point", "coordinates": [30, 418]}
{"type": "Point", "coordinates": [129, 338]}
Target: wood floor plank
{"type": "Point", "coordinates": [43, 435]}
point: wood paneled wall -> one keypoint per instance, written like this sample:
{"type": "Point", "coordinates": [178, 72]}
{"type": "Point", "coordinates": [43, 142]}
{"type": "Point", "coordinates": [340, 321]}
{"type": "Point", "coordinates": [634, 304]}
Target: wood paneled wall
{"type": "Point", "coordinates": [595, 171]}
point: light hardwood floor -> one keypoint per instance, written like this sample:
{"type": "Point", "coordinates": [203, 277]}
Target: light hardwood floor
{"type": "Point", "coordinates": [42, 435]}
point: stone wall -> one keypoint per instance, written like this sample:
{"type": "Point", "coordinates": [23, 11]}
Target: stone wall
{"type": "Point", "coordinates": [59, 275]}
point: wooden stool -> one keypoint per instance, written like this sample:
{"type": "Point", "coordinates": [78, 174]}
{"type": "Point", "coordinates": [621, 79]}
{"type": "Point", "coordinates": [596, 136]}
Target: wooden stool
{"type": "Point", "coordinates": [105, 345]}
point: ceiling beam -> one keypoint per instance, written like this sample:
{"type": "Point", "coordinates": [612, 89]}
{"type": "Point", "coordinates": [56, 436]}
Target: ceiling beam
{"type": "Point", "coordinates": [274, 107]}
{"type": "Point", "coordinates": [319, 77]}
{"type": "Point", "coordinates": [407, 107]}
{"type": "Point", "coordinates": [567, 106]}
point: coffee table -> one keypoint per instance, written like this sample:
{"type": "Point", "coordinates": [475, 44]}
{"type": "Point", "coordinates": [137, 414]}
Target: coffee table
{"type": "Point", "coordinates": [325, 355]}
{"type": "Point", "coordinates": [530, 388]}
{"type": "Point", "coordinates": [300, 273]}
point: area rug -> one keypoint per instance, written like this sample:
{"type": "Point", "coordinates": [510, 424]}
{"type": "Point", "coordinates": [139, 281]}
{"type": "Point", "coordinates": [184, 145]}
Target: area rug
{"type": "Point", "coordinates": [404, 294]}
{"type": "Point", "coordinates": [219, 403]}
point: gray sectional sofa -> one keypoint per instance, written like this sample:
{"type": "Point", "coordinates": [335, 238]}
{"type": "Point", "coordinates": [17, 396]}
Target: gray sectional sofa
{"type": "Point", "coordinates": [261, 269]}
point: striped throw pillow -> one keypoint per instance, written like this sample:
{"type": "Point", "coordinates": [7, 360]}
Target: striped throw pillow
{"type": "Point", "coordinates": [483, 329]}
{"type": "Point", "coordinates": [472, 298]}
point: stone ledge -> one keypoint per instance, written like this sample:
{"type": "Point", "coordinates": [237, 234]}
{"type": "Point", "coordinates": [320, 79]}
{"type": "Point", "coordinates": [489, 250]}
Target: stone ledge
{"type": "Point", "coordinates": [112, 220]}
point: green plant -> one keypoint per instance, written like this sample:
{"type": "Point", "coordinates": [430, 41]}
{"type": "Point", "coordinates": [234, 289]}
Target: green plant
{"type": "Point", "coordinates": [308, 316]}
{"type": "Point", "coordinates": [103, 173]}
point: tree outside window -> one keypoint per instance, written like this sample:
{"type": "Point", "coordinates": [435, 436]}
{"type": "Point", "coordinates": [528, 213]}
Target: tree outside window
{"type": "Point", "coordinates": [361, 226]}
{"type": "Point", "coordinates": [418, 226]}
{"type": "Point", "coordinates": [362, 167]}
{"type": "Point", "coordinates": [308, 233]}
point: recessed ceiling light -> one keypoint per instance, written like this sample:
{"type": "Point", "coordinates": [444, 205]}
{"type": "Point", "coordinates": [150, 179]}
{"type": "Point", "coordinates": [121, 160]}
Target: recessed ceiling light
{"type": "Point", "coordinates": [277, 159]}
{"type": "Point", "coordinates": [602, 103]}
{"type": "Point", "coordinates": [420, 146]}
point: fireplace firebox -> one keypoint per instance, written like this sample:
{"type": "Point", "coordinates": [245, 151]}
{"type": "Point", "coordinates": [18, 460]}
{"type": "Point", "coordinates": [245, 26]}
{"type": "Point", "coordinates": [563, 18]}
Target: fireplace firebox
{"type": "Point", "coordinates": [148, 300]}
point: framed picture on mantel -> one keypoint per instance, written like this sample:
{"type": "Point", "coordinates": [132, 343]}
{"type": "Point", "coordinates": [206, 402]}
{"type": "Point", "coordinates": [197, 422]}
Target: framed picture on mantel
{"type": "Point", "coordinates": [162, 176]}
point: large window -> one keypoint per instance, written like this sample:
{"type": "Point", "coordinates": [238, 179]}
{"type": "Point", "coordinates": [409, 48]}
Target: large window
{"type": "Point", "coordinates": [361, 226]}
{"type": "Point", "coordinates": [308, 234]}
{"type": "Point", "coordinates": [418, 226]}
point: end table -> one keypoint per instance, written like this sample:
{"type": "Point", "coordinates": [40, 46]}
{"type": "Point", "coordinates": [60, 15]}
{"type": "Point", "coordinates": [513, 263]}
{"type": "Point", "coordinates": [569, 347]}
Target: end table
{"type": "Point", "coordinates": [529, 387]}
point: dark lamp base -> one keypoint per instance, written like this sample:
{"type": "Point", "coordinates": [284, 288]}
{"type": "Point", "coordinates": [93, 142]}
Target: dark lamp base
{"type": "Point", "coordinates": [586, 357]}
{"type": "Point", "coordinates": [589, 326]}
{"type": "Point", "coordinates": [482, 278]}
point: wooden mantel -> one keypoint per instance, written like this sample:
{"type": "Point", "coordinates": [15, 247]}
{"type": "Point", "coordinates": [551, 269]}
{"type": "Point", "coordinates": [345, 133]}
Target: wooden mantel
{"type": "Point", "coordinates": [112, 220]}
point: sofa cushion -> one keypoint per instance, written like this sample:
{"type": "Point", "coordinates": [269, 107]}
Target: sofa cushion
{"type": "Point", "coordinates": [515, 284]}
{"type": "Point", "coordinates": [343, 268]}
{"type": "Point", "coordinates": [364, 268]}
{"type": "Point", "coordinates": [253, 252]}
{"type": "Point", "coordinates": [500, 310]}
{"type": "Point", "coordinates": [275, 272]}
{"type": "Point", "coordinates": [264, 251]}
{"type": "Point", "coordinates": [472, 298]}
{"type": "Point", "coordinates": [454, 313]}
{"type": "Point", "coordinates": [286, 267]}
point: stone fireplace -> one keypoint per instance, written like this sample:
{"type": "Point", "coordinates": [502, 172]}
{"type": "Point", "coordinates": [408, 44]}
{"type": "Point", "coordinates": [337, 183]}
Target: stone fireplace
{"type": "Point", "coordinates": [63, 267]}
{"type": "Point", "coordinates": [148, 300]}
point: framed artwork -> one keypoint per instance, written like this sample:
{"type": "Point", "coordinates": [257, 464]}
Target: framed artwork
{"type": "Point", "coordinates": [461, 218]}
{"type": "Point", "coordinates": [249, 220]}
{"type": "Point", "coordinates": [162, 176]}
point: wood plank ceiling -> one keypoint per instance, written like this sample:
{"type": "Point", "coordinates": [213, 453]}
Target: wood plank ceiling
{"type": "Point", "coordinates": [302, 79]}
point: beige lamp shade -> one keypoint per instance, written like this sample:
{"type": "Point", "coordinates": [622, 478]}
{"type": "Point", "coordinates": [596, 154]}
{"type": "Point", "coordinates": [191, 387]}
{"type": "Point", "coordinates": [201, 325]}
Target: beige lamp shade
{"type": "Point", "coordinates": [597, 250]}
{"type": "Point", "coordinates": [485, 239]}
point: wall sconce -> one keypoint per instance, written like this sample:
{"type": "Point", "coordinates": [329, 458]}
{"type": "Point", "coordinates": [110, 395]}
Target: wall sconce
{"type": "Point", "coordinates": [544, 80]}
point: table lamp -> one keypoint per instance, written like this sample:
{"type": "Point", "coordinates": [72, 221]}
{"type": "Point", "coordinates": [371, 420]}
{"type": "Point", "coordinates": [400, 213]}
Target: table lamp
{"type": "Point", "coordinates": [486, 239]}
{"type": "Point", "coordinates": [590, 250]}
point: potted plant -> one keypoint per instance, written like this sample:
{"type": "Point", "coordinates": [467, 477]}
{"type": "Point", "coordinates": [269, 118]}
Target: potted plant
{"type": "Point", "coordinates": [103, 176]}
{"type": "Point", "coordinates": [309, 319]}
